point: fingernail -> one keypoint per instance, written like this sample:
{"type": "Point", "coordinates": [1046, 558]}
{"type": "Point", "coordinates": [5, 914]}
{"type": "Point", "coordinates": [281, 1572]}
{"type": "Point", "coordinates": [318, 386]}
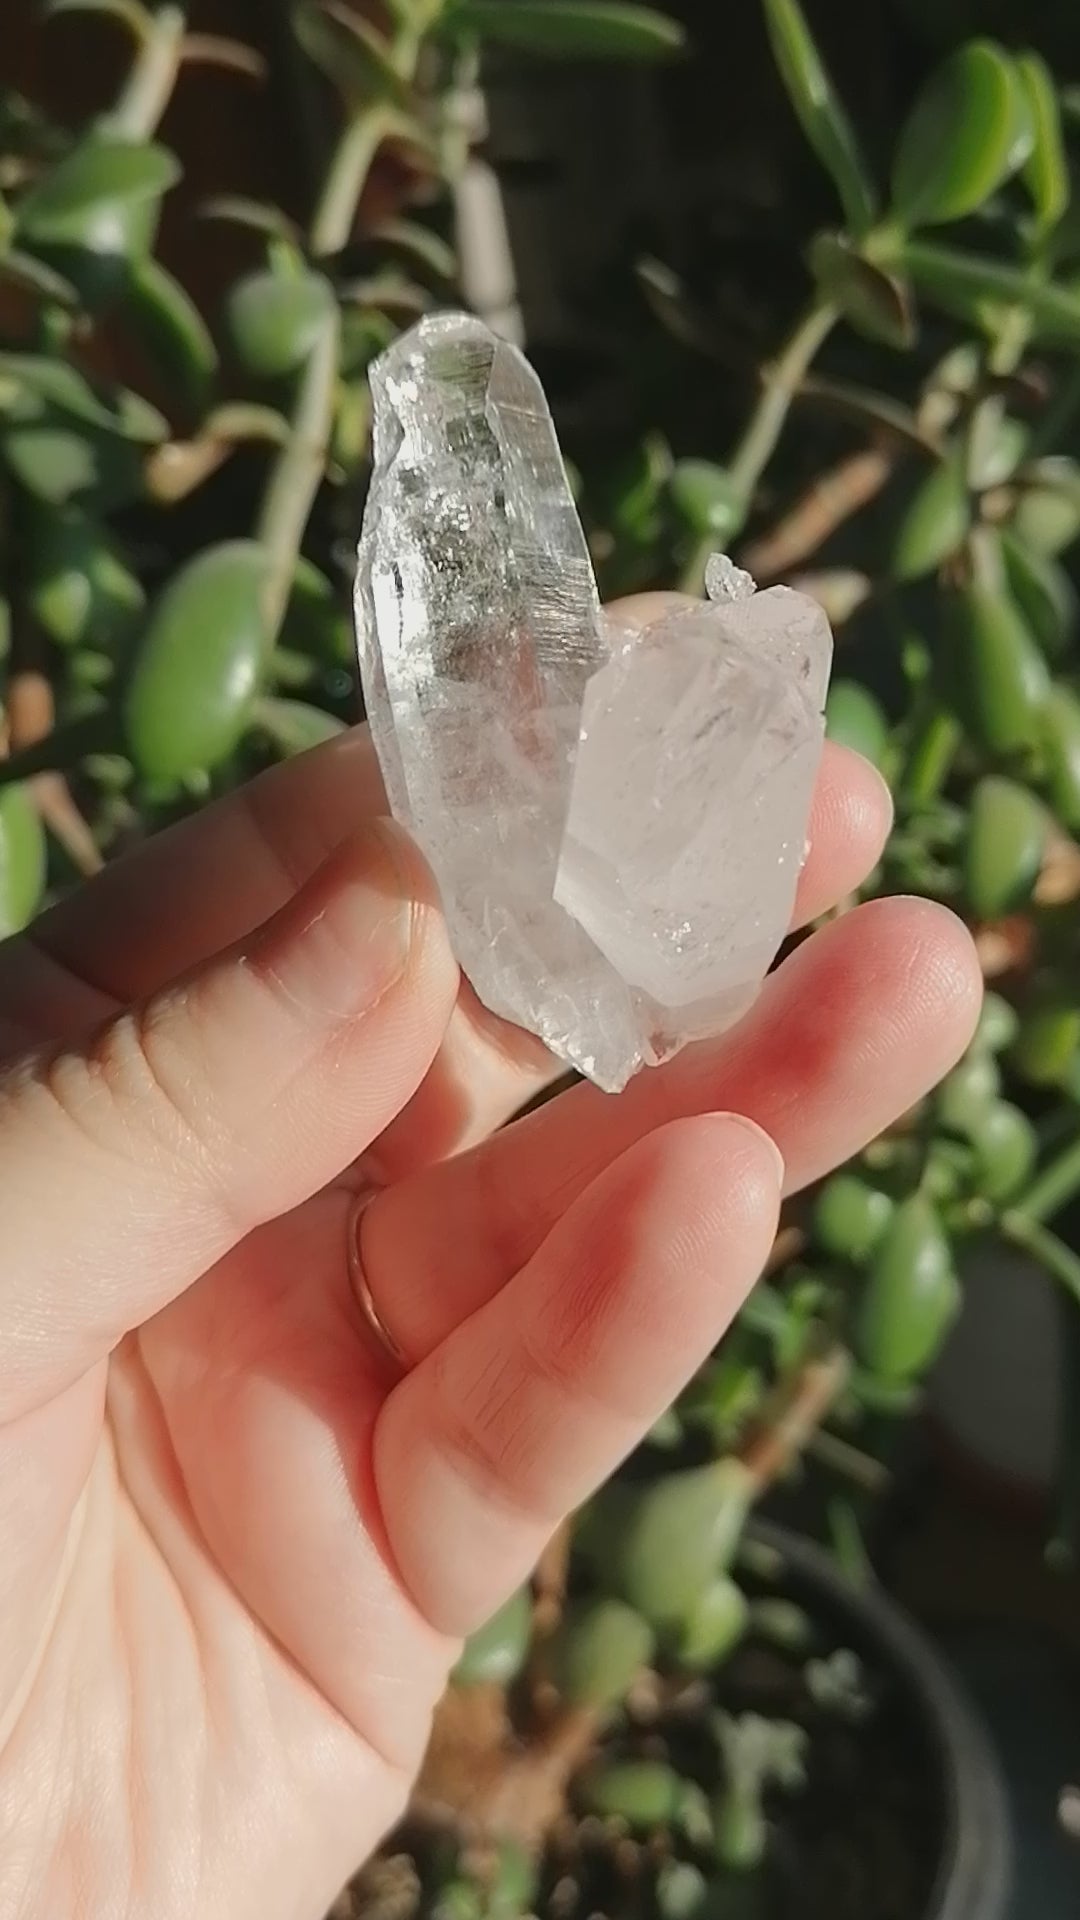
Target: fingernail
{"type": "Point", "coordinates": [346, 938]}
{"type": "Point", "coordinates": [766, 1139]}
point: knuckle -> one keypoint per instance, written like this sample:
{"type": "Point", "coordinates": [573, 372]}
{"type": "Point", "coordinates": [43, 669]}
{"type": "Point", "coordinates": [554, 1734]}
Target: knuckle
{"type": "Point", "coordinates": [134, 1093]}
{"type": "Point", "coordinates": [494, 1432]}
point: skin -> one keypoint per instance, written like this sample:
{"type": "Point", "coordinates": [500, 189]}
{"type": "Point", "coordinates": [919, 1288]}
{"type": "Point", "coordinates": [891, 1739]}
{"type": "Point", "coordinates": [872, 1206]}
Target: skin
{"type": "Point", "coordinates": [238, 1546]}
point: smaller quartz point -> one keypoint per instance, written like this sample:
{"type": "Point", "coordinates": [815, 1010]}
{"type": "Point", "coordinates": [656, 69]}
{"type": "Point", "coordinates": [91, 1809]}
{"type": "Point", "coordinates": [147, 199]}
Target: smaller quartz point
{"type": "Point", "coordinates": [616, 819]}
{"type": "Point", "coordinates": [725, 581]}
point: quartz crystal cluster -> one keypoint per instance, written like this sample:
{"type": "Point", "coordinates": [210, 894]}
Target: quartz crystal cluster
{"type": "Point", "coordinates": [616, 819]}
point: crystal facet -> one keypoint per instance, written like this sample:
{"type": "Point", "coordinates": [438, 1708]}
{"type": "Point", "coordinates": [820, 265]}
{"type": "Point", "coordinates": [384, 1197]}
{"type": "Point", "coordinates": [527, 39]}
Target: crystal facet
{"type": "Point", "coordinates": [616, 819]}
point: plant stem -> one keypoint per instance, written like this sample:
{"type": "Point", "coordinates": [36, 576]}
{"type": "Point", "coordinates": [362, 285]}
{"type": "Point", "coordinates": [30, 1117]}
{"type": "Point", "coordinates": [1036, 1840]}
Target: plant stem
{"type": "Point", "coordinates": [298, 471]}
{"type": "Point", "coordinates": [780, 383]}
{"type": "Point", "coordinates": [331, 228]}
{"type": "Point", "coordinates": [800, 1406]}
{"type": "Point", "coordinates": [1053, 1187]}
{"type": "Point", "coordinates": [149, 84]}
{"type": "Point", "coordinates": [1059, 1260]}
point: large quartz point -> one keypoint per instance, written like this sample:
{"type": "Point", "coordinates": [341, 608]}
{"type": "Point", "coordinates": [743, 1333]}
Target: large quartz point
{"type": "Point", "coordinates": [616, 819]}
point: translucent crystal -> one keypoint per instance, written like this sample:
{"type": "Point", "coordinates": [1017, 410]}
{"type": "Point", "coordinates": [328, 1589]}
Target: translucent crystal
{"type": "Point", "coordinates": [725, 581]}
{"type": "Point", "coordinates": [616, 820]}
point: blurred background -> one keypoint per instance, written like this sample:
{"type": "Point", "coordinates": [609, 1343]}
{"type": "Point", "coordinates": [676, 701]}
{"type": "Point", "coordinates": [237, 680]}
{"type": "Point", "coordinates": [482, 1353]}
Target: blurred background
{"type": "Point", "coordinates": [802, 281]}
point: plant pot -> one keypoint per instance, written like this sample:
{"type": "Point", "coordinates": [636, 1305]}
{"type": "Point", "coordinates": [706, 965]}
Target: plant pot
{"type": "Point", "coordinates": [995, 1402]}
{"type": "Point", "coordinates": [974, 1871]}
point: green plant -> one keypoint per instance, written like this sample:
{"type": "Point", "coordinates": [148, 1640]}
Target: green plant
{"type": "Point", "coordinates": [939, 545]}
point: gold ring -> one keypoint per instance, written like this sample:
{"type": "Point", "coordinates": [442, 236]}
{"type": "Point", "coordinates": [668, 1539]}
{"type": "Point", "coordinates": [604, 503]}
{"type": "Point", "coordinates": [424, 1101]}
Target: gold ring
{"type": "Point", "coordinates": [373, 1320]}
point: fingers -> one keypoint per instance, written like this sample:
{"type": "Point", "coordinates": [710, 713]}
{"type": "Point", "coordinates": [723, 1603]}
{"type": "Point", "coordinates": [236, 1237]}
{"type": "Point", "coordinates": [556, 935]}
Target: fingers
{"type": "Point", "coordinates": [211, 879]}
{"type": "Point", "coordinates": [848, 1033]}
{"type": "Point", "coordinates": [850, 821]}
{"type": "Point", "coordinates": [221, 1102]}
{"type": "Point", "coordinates": [531, 1403]}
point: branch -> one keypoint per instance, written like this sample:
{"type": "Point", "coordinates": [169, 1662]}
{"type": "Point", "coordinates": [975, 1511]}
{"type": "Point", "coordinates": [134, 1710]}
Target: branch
{"type": "Point", "coordinates": [833, 498]}
{"type": "Point", "coordinates": [799, 1409]}
{"type": "Point", "coordinates": [31, 715]}
{"type": "Point", "coordinates": [780, 383]}
{"type": "Point", "coordinates": [152, 78]}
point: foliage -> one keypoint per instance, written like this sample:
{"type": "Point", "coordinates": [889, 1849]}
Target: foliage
{"type": "Point", "coordinates": [176, 667]}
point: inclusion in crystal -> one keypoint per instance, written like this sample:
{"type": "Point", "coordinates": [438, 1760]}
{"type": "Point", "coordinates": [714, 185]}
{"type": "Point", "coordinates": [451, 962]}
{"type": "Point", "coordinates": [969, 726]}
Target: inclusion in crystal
{"type": "Point", "coordinates": [616, 820]}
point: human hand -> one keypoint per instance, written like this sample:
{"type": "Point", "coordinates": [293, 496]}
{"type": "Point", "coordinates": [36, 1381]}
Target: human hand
{"type": "Point", "coordinates": [237, 1545]}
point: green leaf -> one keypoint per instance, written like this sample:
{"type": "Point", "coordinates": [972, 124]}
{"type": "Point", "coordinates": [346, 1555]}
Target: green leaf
{"type": "Point", "coordinates": [1047, 515]}
{"type": "Point", "coordinates": [1006, 1149]}
{"type": "Point", "coordinates": [1046, 170]}
{"type": "Point", "coordinates": [714, 1625]}
{"type": "Point", "coordinates": [911, 1296]}
{"type": "Point", "coordinates": [62, 439]}
{"type": "Point", "coordinates": [174, 332]}
{"type": "Point", "coordinates": [1007, 829]}
{"type": "Point", "coordinates": [275, 319]}
{"type": "Point", "coordinates": [597, 1651]}
{"type": "Point", "coordinates": [968, 131]}
{"type": "Point", "coordinates": [661, 1545]}
{"type": "Point", "coordinates": [1061, 750]}
{"type": "Point", "coordinates": [23, 859]}
{"type": "Point", "coordinates": [420, 245]}
{"type": "Point", "coordinates": [875, 301]}
{"type": "Point", "coordinates": [644, 1793]}
{"type": "Point", "coordinates": [495, 1653]}
{"type": "Point", "coordinates": [351, 52]}
{"type": "Point", "coordinates": [855, 718]}
{"type": "Point", "coordinates": [571, 29]}
{"type": "Point", "coordinates": [200, 659]}
{"type": "Point", "coordinates": [95, 179]}
{"type": "Point", "coordinates": [258, 215]}
{"type": "Point", "coordinates": [79, 591]}
{"type": "Point", "coordinates": [819, 111]}
{"type": "Point", "coordinates": [1043, 592]}
{"type": "Point", "coordinates": [706, 499]}
{"type": "Point", "coordinates": [850, 1217]}
{"type": "Point", "coordinates": [96, 211]}
{"type": "Point", "coordinates": [983, 291]}
{"type": "Point", "coordinates": [934, 523]}
{"type": "Point", "coordinates": [992, 671]}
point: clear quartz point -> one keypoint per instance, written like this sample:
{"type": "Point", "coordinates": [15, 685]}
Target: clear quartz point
{"type": "Point", "coordinates": [616, 819]}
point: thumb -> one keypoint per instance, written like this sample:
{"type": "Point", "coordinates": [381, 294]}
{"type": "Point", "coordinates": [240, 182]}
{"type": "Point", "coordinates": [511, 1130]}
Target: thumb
{"type": "Point", "coordinates": [129, 1164]}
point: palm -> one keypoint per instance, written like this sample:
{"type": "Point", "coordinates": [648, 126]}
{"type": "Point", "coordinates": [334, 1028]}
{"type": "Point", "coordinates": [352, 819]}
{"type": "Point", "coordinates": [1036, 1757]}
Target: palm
{"type": "Point", "coordinates": [253, 1546]}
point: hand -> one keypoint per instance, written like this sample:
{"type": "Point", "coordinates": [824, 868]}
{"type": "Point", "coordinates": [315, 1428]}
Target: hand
{"type": "Point", "coordinates": [238, 1546]}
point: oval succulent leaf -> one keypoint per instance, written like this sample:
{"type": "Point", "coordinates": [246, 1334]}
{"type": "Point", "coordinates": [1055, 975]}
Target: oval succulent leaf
{"type": "Point", "coordinates": [495, 1654]}
{"type": "Point", "coordinates": [876, 302]}
{"type": "Point", "coordinates": [350, 51]}
{"type": "Point", "coordinates": [992, 670]}
{"type": "Point", "coordinates": [23, 859]}
{"type": "Point", "coordinates": [1046, 169]}
{"type": "Point", "coordinates": [911, 1297]}
{"type": "Point", "coordinates": [174, 332]}
{"type": "Point", "coordinates": [98, 175]}
{"type": "Point", "coordinates": [597, 1652]}
{"type": "Point", "coordinates": [1004, 845]}
{"type": "Point", "coordinates": [571, 29]}
{"type": "Point", "coordinates": [856, 719]}
{"type": "Point", "coordinates": [198, 667]}
{"type": "Point", "coordinates": [934, 523]}
{"type": "Point", "coordinates": [274, 320]}
{"type": "Point", "coordinates": [819, 111]}
{"type": "Point", "coordinates": [968, 131]}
